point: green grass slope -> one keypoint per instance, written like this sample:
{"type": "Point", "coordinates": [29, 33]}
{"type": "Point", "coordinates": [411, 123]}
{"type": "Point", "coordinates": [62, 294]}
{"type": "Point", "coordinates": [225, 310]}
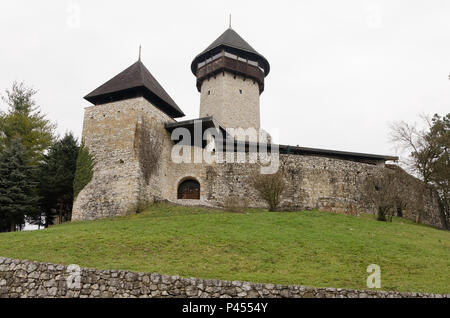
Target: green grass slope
{"type": "Point", "coordinates": [309, 248]}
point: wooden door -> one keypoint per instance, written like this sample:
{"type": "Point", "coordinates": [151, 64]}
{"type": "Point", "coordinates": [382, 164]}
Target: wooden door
{"type": "Point", "coordinates": [189, 190]}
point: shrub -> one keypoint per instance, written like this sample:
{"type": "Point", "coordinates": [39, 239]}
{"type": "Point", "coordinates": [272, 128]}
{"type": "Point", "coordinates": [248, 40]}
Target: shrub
{"type": "Point", "coordinates": [386, 193]}
{"type": "Point", "coordinates": [270, 187]}
{"type": "Point", "coordinates": [384, 214]}
{"type": "Point", "coordinates": [148, 146]}
{"type": "Point", "coordinates": [84, 171]}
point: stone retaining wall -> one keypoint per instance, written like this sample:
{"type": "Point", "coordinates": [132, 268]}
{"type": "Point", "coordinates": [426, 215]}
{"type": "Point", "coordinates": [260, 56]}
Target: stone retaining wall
{"type": "Point", "coordinates": [26, 279]}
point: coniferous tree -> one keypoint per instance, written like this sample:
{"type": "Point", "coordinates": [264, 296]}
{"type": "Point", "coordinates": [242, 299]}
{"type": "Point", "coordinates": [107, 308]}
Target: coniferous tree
{"type": "Point", "coordinates": [17, 192]}
{"type": "Point", "coordinates": [439, 135]}
{"type": "Point", "coordinates": [24, 120]}
{"type": "Point", "coordinates": [56, 174]}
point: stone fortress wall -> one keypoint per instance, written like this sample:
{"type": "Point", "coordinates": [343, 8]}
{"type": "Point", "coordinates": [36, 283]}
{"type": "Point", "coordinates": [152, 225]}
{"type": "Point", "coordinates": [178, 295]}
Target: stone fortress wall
{"type": "Point", "coordinates": [118, 187]}
{"type": "Point", "coordinates": [26, 279]}
{"type": "Point", "coordinates": [320, 183]}
{"type": "Point", "coordinates": [312, 182]}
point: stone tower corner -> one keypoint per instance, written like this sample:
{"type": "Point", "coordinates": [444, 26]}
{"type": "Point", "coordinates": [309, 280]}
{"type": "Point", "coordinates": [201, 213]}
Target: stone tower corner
{"type": "Point", "coordinates": [115, 134]}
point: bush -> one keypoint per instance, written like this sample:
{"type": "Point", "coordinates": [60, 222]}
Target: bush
{"type": "Point", "coordinates": [385, 193]}
{"type": "Point", "coordinates": [148, 146]}
{"type": "Point", "coordinates": [270, 187]}
{"type": "Point", "coordinates": [385, 214]}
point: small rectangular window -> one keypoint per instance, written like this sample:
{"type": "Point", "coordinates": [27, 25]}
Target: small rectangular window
{"type": "Point", "coordinates": [240, 91]}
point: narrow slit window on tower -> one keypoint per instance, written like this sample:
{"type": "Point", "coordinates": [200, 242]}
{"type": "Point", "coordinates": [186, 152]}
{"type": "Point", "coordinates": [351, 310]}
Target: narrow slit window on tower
{"type": "Point", "coordinates": [209, 92]}
{"type": "Point", "coordinates": [240, 91]}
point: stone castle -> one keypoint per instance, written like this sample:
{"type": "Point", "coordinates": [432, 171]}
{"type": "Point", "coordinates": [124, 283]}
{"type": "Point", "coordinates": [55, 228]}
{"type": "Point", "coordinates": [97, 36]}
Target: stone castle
{"type": "Point", "coordinates": [130, 128]}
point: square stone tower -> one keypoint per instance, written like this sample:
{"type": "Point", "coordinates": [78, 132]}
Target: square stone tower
{"type": "Point", "coordinates": [121, 131]}
{"type": "Point", "coordinates": [230, 78]}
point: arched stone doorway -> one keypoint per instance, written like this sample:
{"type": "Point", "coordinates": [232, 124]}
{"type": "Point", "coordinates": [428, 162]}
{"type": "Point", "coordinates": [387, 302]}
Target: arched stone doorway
{"type": "Point", "coordinates": [189, 190]}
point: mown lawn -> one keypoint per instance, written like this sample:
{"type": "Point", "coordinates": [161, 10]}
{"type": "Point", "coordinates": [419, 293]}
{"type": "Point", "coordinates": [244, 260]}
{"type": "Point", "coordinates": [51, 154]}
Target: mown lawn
{"type": "Point", "coordinates": [309, 248]}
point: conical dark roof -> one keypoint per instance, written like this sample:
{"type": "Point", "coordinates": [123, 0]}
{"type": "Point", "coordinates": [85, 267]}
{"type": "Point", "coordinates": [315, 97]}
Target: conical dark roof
{"type": "Point", "coordinates": [135, 80]}
{"type": "Point", "coordinates": [231, 39]}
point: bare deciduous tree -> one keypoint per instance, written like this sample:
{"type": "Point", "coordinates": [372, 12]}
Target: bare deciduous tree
{"type": "Point", "coordinates": [385, 192]}
{"type": "Point", "coordinates": [412, 139]}
{"type": "Point", "coordinates": [148, 146]}
{"type": "Point", "coordinates": [428, 151]}
{"type": "Point", "coordinates": [270, 187]}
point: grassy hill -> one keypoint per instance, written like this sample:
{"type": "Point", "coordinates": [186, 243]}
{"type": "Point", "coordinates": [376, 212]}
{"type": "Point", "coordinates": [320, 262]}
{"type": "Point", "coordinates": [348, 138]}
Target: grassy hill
{"type": "Point", "coordinates": [309, 248]}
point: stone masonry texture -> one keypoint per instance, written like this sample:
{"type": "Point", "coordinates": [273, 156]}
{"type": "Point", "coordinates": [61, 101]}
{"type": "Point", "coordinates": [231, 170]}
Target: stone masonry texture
{"type": "Point", "coordinates": [110, 134]}
{"type": "Point", "coordinates": [232, 100]}
{"type": "Point", "coordinates": [118, 187]}
{"type": "Point", "coordinates": [26, 279]}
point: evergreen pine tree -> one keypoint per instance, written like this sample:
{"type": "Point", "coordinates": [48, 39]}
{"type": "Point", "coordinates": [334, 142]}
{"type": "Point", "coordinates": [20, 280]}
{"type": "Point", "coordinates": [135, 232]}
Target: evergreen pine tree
{"type": "Point", "coordinates": [17, 195]}
{"type": "Point", "coordinates": [56, 174]}
{"type": "Point", "coordinates": [25, 121]}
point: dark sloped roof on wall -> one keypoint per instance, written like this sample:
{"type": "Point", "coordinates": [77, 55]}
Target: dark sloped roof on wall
{"type": "Point", "coordinates": [136, 78]}
{"type": "Point", "coordinates": [210, 122]}
{"type": "Point", "coordinates": [334, 153]}
{"type": "Point", "coordinates": [232, 39]}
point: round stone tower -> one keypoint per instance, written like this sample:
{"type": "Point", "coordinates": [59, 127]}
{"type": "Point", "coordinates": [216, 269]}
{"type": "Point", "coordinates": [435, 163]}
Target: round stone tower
{"type": "Point", "coordinates": [230, 78]}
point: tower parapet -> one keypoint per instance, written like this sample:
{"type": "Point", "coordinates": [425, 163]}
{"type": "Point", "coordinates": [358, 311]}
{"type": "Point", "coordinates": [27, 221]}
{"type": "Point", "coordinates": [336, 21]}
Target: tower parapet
{"type": "Point", "coordinates": [230, 77]}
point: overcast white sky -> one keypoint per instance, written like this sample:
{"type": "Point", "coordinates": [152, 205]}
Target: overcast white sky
{"type": "Point", "coordinates": [341, 71]}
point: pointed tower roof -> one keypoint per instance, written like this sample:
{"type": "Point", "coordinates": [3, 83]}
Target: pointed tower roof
{"type": "Point", "coordinates": [135, 81]}
{"type": "Point", "coordinates": [232, 40]}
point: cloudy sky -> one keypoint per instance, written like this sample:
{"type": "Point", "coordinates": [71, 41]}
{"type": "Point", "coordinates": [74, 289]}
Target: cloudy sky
{"type": "Point", "coordinates": [341, 71]}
